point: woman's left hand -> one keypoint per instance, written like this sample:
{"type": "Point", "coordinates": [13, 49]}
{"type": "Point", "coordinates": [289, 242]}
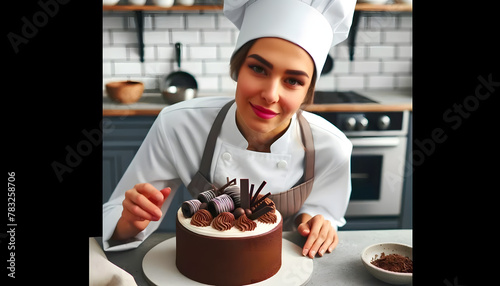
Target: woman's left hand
{"type": "Point", "coordinates": [321, 236]}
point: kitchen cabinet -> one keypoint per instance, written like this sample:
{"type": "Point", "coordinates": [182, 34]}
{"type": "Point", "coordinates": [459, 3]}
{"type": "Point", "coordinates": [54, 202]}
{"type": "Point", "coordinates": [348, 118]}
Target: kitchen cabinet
{"type": "Point", "coordinates": [121, 140]}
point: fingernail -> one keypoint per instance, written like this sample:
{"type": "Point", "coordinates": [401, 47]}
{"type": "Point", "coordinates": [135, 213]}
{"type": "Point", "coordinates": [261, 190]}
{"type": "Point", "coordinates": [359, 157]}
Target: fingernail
{"type": "Point", "coordinates": [305, 251]}
{"type": "Point", "coordinates": [158, 214]}
{"type": "Point", "coordinates": [313, 253]}
{"type": "Point", "coordinates": [321, 252]}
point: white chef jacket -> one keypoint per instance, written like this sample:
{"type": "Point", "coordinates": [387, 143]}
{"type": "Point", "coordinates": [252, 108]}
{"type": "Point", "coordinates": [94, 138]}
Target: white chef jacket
{"type": "Point", "coordinates": [171, 154]}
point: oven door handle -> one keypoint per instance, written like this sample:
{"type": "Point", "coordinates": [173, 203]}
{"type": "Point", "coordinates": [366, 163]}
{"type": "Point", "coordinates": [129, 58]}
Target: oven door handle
{"type": "Point", "coordinates": [375, 142]}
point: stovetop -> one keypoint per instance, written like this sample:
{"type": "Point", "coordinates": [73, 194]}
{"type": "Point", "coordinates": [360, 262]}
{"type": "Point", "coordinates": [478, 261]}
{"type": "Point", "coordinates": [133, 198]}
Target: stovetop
{"type": "Point", "coordinates": [329, 97]}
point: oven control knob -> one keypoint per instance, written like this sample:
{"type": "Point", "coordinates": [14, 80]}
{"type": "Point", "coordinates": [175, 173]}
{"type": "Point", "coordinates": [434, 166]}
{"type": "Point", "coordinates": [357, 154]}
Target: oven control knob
{"type": "Point", "coordinates": [383, 122]}
{"type": "Point", "coordinates": [362, 123]}
{"type": "Point", "coordinates": [350, 123]}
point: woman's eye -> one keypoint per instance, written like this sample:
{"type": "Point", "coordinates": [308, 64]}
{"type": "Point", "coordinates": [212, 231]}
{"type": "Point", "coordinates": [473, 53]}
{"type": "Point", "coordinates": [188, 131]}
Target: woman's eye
{"type": "Point", "coordinates": [257, 69]}
{"type": "Point", "coordinates": [292, 81]}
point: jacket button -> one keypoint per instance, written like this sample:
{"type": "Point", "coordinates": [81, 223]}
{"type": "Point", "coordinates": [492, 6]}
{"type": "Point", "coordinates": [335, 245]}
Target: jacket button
{"type": "Point", "coordinates": [282, 164]}
{"type": "Point", "coordinates": [226, 156]}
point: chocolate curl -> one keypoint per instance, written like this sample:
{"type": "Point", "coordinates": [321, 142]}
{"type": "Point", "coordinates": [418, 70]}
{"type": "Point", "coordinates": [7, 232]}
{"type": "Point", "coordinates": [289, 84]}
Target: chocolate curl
{"type": "Point", "coordinates": [252, 203]}
{"type": "Point", "coordinates": [261, 199]}
{"type": "Point", "coordinates": [229, 183]}
{"type": "Point", "coordinates": [245, 200]}
{"type": "Point", "coordinates": [260, 212]}
{"type": "Point", "coordinates": [251, 193]}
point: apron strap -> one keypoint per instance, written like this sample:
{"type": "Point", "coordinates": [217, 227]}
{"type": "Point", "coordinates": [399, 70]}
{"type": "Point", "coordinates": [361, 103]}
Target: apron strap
{"type": "Point", "coordinates": [208, 153]}
{"type": "Point", "coordinates": [307, 140]}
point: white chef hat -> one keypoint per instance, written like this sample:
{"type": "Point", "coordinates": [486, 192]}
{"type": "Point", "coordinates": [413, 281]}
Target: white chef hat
{"type": "Point", "coordinates": [314, 25]}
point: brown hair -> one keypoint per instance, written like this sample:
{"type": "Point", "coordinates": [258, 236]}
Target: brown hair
{"type": "Point", "coordinates": [239, 57]}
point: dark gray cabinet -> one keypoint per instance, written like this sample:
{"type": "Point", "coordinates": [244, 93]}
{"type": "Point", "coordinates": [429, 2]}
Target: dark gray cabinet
{"type": "Point", "coordinates": [122, 137]}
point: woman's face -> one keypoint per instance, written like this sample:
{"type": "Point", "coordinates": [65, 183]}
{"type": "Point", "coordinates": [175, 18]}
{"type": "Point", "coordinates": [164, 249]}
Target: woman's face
{"type": "Point", "coordinates": [272, 84]}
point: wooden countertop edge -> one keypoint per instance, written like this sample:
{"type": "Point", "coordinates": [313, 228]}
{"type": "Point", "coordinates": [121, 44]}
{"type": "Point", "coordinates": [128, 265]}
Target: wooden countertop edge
{"type": "Point", "coordinates": [130, 112]}
{"type": "Point", "coordinates": [358, 107]}
{"type": "Point", "coordinates": [311, 108]}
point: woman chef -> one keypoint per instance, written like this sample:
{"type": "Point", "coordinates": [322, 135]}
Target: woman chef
{"type": "Point", "coordinates": [263, 135]}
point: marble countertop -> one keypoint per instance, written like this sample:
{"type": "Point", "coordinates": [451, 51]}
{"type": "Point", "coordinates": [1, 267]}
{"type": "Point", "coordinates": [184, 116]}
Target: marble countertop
{"type": "Point", "coordinates": [341, 267]}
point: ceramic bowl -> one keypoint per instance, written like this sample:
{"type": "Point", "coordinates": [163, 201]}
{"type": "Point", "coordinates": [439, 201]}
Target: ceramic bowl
{"type": "Point", "coordinates": [137, 2]}
{"type": "Point", "coordinates": [164, 3]}
{"type": "Point", "coordinates": [396, 278]}
{"type": "Point", "coordinates": [109, 2]}
{"type": "Point", "coordinates": [125, 91]}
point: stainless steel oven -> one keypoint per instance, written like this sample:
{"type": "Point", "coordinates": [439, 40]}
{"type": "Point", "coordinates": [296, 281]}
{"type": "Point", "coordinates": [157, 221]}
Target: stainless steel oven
{"type": "Point", "coordinates": [377, 164]}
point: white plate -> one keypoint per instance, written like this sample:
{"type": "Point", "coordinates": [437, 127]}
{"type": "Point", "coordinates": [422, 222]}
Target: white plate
{"type": "Point", "coordinates": [159, 267]}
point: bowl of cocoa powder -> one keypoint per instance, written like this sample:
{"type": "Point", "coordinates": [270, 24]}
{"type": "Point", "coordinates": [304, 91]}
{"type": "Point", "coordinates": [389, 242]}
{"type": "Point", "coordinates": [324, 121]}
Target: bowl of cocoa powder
{"type": "Point", "coordinates": [389, 262]}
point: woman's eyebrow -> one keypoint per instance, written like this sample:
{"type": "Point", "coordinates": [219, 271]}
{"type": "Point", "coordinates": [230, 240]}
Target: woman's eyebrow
{"type": "Point", "coordinates": [269, 65]}
{"type": "Point", "coordinates": [262, 60]}
{"type": "Point", "coordinates": [297, 72]}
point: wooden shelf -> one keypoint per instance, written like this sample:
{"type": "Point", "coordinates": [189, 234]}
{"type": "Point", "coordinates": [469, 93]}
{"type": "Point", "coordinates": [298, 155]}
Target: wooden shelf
{"type": "Point", "coordinates": [159, 8]}
{"type": "Point", "coordinates": [359, 7]}
{"type": "Point", "coordinates": [383, 7]}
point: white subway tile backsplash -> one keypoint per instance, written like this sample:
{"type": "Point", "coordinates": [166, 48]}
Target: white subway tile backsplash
{"type": "Point", "coordinates": [381, 52]}
{"type": "Point", "coordinates": [157, 68]}
{"type": "Point", "coordinates": [128, 68]}
{"type": "Point", "coordinates": [156, 37]}
{"type": "Point", "coordinates": [106, 69]}
{"type": "Point", "coordinates": [381, 21]}
{"type": "Point", "coordinates": [326, 82]}
{"type": "Point", "coordinates": [163, 21]}
{"type": "Point", "coordinates": [341, 67]}
{"type": "Point", "coordinates": [404, 52]}
{"type": "Point", "coordinates": [194, 67]}
{"type": "Point", "coordinates": [368, 37]}
{"type": "Point", "coordinates": [201, 21]}
{"type": "Point", "coordinates": [112, 22]}
{"type": "Point", "coordinates": [382, 59]}
{"type": "Point", "coordinates": [112, 53]}
{"type": "Point", "coordinates": [403, 81]}
{"type": "Point", "coordinates": [380, 81]}
{"type": "Point", "coordinates": [147, 22]}
{"type": "Point", "coordinates": [406, 22]}
{"type": "Point", "coordinates": [165, 52]}
{"type": "Point", "coordinates": [186, 37]}
{"type": "Point", "coordinates": [396, 67]}
{"type": "Point", "coordinates": [217, 37]}
{"type": "Point", "coordinates": [218, 67]}
{"type": "Point", "coordinates": [227, 84]}
{"type": "Point", "coordinates": [203, 52]}
{"type": "Point", "coordinates": [350, 82]}
{"type": "Point", "coordinates": [397, 37]}
{"type": "Point", "coordinates": [224, 23]}
{"type": "Point", "coordinates": [225, 52]}
{"type": "Point", "coordinates": [123, 37]}
{"type": "Point", "coordinates": [208, 83]}
{"type": "Point", "coordinates": [366, 66]}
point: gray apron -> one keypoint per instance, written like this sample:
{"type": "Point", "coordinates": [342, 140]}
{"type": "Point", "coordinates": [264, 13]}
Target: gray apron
{"type": "Point", "coordinates": [288, 202]}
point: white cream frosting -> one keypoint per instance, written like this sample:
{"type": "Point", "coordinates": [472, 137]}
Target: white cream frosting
{"type": "Point", "coordinates": [233, 232]}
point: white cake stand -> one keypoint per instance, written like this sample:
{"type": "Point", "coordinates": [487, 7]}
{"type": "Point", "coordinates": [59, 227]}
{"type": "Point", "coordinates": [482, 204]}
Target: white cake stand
{"type": "Point", "coordinates": [159, 267]}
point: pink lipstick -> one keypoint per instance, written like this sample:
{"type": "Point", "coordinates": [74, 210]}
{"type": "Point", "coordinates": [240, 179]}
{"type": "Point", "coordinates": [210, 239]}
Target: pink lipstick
{"type": "Point", "coordinates": [263, 112]}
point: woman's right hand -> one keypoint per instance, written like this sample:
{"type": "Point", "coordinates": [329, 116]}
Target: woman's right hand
{"type": "Point", "coordinates": [142, 204]}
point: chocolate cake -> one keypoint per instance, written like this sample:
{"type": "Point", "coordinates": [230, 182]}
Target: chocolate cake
{"type": "Point", "coordinates": [226, 239]}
